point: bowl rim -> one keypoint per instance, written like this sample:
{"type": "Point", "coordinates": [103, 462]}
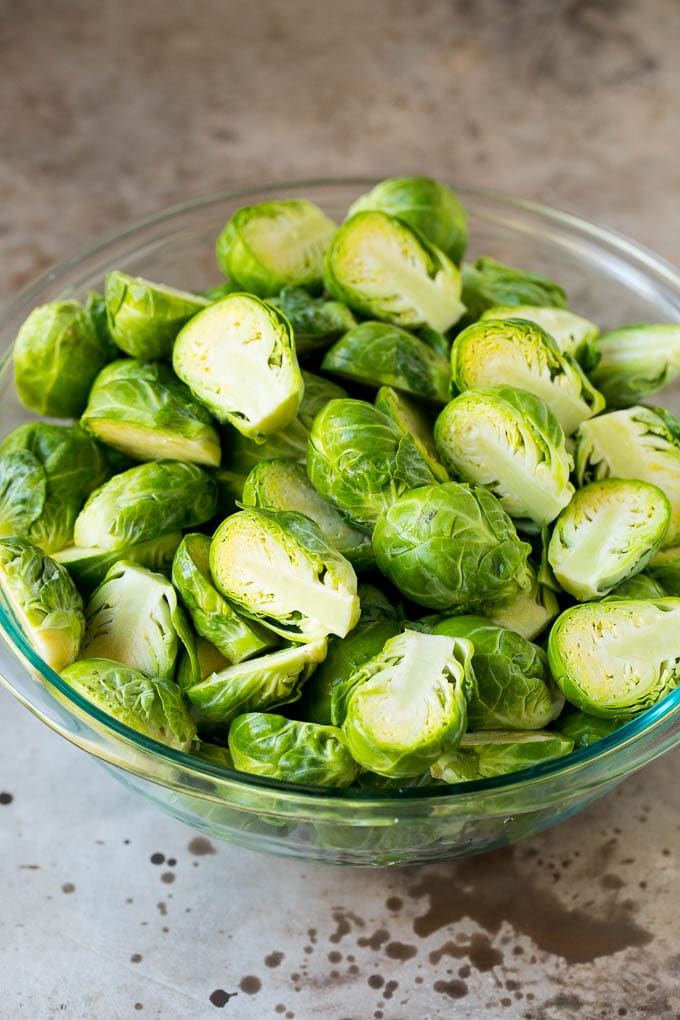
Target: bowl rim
{"type": "Point", "coordinates": [629, 733]}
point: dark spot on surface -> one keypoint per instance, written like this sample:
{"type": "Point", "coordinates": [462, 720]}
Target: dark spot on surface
{"type": "Point", "coordinates": [250, 985]}
{"type": "Point", "coordinates": [400, 951]}
{"type": "Point", "coordinates": [394, 903]}
{"type": "Point", "coordinates": [157, 858]}
{"type": "Point", "coordinates": [374, 941]}
{"type": "Point", "coordinates": [481, 954]}
{"type": "Point", "coordinates": [138, 1006]}
{"type": "Point", "coordinates": [68, 887]}
{"type": "Point", "coordinates": [29, 867]}
{"type": "Point", "coordinates": [162, 908]}
{"type": "Point", "coordinates": [342, 927]}
{"type": "Point", "coordinates": [611, 882]}
{"type": "Point", "coordinates": [167, 877]}
{"type": "Point", "coordinates": [464, 971]}
{"type": "Point", "coordinates": [273, 959]}
{"type": "Point", "coordinates": [506, 1002]}
{"type": "Point", "coordinates": [353, 969]}
{"type": "Point", "coordinates": [623, 1011]}
{"type": "Point", "coordinates": [199, 846]}
{"type": "Point", "coordinates": [165, 930]}
{"type": "Point", "coordinates": [491, 889]}
{"type": "Point", "coordinates": [390, 989]}
{"type": "Point", "coordinates": [334, 956]}
{"type": "Point", "coordinates": [290, 1015]}
{"type": "Point", "coordinates": [126, 842]}
{"type": "Point", "coordinates": [279, 1008]}
{"type": "Point", "coordinates": [220, 998]}
{"type": "Point", "coordinates": [312, 935]}
{"type": "Point", "coordinates": [308, 950]}
{"type": "Point", "coordinates": [666, 852]}
{"type": "Point", "coordinates": [6, 798]}
{"type": "Point", "coordinates": [136, 958]}
{"type": "Point", "coordinates": [376, 981]}
{"type": "Point", "coordinates": [454, 989]}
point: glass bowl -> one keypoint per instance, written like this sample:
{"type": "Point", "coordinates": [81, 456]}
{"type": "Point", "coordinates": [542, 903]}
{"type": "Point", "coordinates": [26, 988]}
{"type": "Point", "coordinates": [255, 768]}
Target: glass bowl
{"type": "Point", "coordinates": [608, 279]}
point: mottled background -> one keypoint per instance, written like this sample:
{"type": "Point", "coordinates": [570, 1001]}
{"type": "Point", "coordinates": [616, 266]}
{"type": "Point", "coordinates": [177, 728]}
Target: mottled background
{"type": "Point", "coordinates": [115, 109]}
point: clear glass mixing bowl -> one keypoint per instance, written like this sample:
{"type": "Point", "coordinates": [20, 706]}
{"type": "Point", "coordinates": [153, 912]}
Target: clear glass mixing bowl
{"type": "Point", "coordinates": [608, 279]}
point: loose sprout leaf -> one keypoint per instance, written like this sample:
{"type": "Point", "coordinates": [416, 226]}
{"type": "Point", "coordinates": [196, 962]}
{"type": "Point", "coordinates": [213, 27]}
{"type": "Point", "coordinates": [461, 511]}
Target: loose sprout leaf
{"type": "Point", "coordinates": [271, 245]}
{"type": "Point", "coordinates": [637, 443]}
{"type": "Point", "coordinates": [279, 568]}
{"type": "Point", "coordinates": [509, 441]}
{"type": "Point", "coordinates": [534, 608]}
{"type": "Point", "coordinates": [411, 420]}
{"type": "Point", "coordinates": [144, 317]}
{"type": "Point", "coordinates": [238, 358]}
{"type": "Point", "coordinates": [585, 729]}
{"type": "Point", "coordinates": [297, 752]}
{"type": "Point", "coordinates": [385, 270]}
{"type": "Point", "coordinates": [484, 755]}
{"type": "Point", "coordinates": [573, 334]}
{"type": "Point", "coordinates": [609, 531]}
{"type": "Point", "coordinates": [487, 283]}
{"type": "Point", "coordinates": [617, 658]}
{"type": "Point", "coordinates": [88, 567]}
{"type": "Point", "coordinates": [523, 355]}
{"type": "Point", "coordinates": [636, 361]}
{"type": "Point", "coordinates": [640, 586]}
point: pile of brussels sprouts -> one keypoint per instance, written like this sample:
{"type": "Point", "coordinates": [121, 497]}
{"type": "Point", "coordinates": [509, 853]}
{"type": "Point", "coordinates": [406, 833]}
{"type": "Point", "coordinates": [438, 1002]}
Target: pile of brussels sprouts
{"type": "Point", "coordinates": [445, 548]}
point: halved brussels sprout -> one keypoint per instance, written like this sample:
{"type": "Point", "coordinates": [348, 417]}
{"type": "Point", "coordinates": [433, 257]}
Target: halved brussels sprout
{"type": "Point", "coordinates": [637, 443]}
{"type": "Point", "coordinates": [271, 245]}
{"type": "Point", "coordinates": [609, 531]}
{"type": "Point", "coordinates": [149, 705]}
{"type": "Point", "coordinates": [207, 660]}
{"type": "Point", "coordinates": [617, 658]}
{"type": "Point", "coordinates": [143, 410]}
{"type": "Point", "coordinates": [144, 318]}
{"type": "Point", "coordinates": [284, 485]}
{"type": "Point", "coordinates": [509, 441]}
{"type": "Point", "coordinates": [487, 283]}
{"type": "Point", "coordinates": [585, 729]}
{"type": "Point", "coordinates": [256, 685]}
{"type": "Point", "coordinates": [483, 755]}
{"type": "Point", "coordinates": [360, 461]}
{"type": "Point", "coordinates": [278, 568]}
{"type": "Point", "coordinates": [383, 269]}
{"type": "Point", "coordinates": [44, 600]}
{"type": "Point", "coordinates": [636, 361]}
{"type": "Point", "coordinates": [534, 608]}
{"type": "Point", "coordinates": [411, 420]}
{"type": "Point", "coordinates": [270, 745]}
{"type": "Point", "coordinates": [88, 567]}
{"type": "Point", "coordinates": [406, 707]}
{"type": "Point", "coordinates": [212, 616]}
{"type": "Point", "coordinates": [640, 586]}
{"type": "Point", "coordinates": [375, 353]}
{"type": "Point", "coordinates": [238, 358]}
{"type": "Point", "coordinates": [146, 502]}
{"type": "Point", "coordinates": [133, 617]}
{"type": "Point", "coordinates": [523, 355]}
{"type": "Point", "coordinates": [46, 474]}
{"type": "Point", "coordinates": [316, 323]}
{"type": "Point", "coordinates": [427, 205]}
{"type": "Point", "coordinates": [664, 569]}
{"type": "Point", "coordinates": [572, 334]}
{"type": "Point", "coordinates": [57, 354]}
{"type": "Point", "coordinates": [514, 690]}
{"type": "Point", "coordinates": [451, 546]}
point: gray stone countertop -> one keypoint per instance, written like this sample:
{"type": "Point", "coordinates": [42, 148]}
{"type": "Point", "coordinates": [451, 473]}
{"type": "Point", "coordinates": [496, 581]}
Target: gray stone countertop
{"type": "Point", "coordinates": [110, 910]}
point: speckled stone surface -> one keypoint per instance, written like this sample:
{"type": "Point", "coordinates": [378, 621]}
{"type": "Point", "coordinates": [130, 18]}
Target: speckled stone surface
{"type": "Point", "coordinates": [109, 909]}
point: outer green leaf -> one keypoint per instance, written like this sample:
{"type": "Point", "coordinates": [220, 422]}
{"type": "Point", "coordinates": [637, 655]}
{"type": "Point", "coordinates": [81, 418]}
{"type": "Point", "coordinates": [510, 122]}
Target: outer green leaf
{"type": "Point", "coordinates": [534, 608]}
{"type": "Point", "coordinates": [144, 318]}
{"type": "Point", "coordinates": [88, 567]}
{"type": "Point", "coordinates": [636, 361]}
{"type": "Point", "coordinates": [411, 420]}
{"type": "Point", "coordinates": [585, 729]}
{"type": "Point", "coordinates": [483, 755]}
{"type": "Point", "coordinates": [316, 323]}
{"type": "Point", "coordinates": [487, 283]}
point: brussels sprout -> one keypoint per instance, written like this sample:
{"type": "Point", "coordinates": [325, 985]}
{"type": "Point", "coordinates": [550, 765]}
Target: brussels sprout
{"type": "Point", "coordinates": [143, 410]}
{"type": "Point", "coordinates": [46, 474]}
{"type": "Point", "coordinates": [616, 658]}
{"type": "Point", "coordinates": [375, 353]}
{"type": "Point", "coordinates": [238, 358]}
{"type": "Point", "coordinates": [207, 660]}
{"type": "Point", "coordinates": [637, 443]}
{"type": "Point", "coordinates": [664, 569]}
{"type": "Point", "coordinates": [483, 755]}
{"type": "Point", "coordinates": [360, 461]}
{"type": "Point", "coordinates": [57, 354]}
{"type": "Point", "coordinates": [428, 206]}
{"type": "Point", "coordinates": [383, 269]}
{"type": "Point", "coordinates": [534, 608]}
{"type": "Point", "coordinates": [487, 283]}
{"type": "Point", "coordinates": [133, 617]}
{"type": "Point", "coordinates": [636, 361]}
{"type": "Point", "coordinates": [406, 707]}
{"type": "Point", "coordinates": [144, 318]}
{"type": "Point", "coordinates": [256, 685]}
{"type": "Point", "coordinates": [411, 420]}
{"type": "Point", "coordinates": [609, 531]}
{"type": "Point", "coordinates": [229, 489]}
{"type": "Point", "coordinates": [585, 729]}
{"type": "Point", "coordinates": [215, 754]}
{"type": "Point", "coordinates": [297, 752]}
{"type": "Point", "coordinates": [572, 334]}
{"type": "Point", "coordinates": [146, 502]}
{"type": "Point", "coordinates": [95, 306]}
{"type": "Point", "coordinates": [44, 600]}
{"type": "Point", "coordinates": [213, 617]}
{"type": "Point", "coordinates": [523, 355]}
{"type": "Point", "coordinates": [640, 586]}
{"type": "Point", "coordinates": [509, 441]}
{"type": "Point", "coordinates": [284, 485]}
{"type": "Point", "coordinates": [451, 546]}
{"type": "Point", "coordinates": [271, 245]}
{"type": "Point", "coordinates": [375, 605]}
{"type": "Point", "coordinates": [278, 568]}
{"type": "Point", "coordinates": [316, 323]}
{"type": "Point", "coordinates": [514, 689]}
{"type": "Point", "coordinates": [88, 567]}
{"type": "Point", "coordinates": [436, 340]}
{"type": "Point", "coordinates": [149, 705]}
